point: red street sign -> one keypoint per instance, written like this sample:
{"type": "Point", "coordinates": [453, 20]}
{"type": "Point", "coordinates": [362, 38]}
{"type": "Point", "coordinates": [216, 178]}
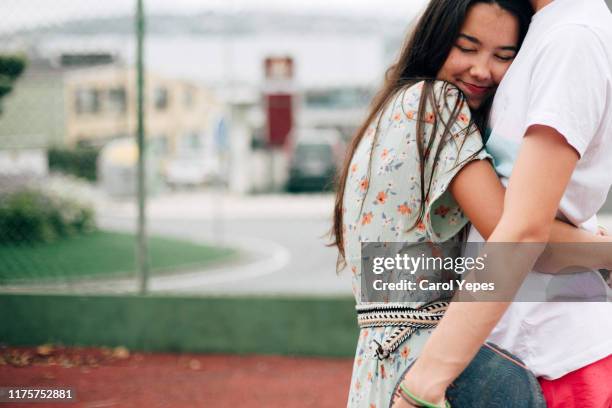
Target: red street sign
{"type": "Point", "coordinates": [280, 118]}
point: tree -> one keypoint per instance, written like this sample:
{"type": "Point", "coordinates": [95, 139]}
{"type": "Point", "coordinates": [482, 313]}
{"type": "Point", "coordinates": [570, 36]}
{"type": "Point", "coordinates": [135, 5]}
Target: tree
{"type": "Point", "coordinates": [11, 67]}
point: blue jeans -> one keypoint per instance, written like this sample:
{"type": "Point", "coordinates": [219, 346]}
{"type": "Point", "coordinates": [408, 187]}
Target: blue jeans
{"type": "Point", "coordinates": [495, 379]}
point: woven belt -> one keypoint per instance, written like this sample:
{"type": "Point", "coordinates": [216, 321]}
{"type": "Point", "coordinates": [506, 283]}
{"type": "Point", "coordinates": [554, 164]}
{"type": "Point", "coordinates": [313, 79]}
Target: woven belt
{"type": "Point", "coordinates": [406, 320]}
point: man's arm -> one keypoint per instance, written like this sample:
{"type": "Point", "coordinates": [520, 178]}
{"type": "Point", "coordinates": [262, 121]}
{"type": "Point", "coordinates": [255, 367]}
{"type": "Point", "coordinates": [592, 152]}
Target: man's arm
{"type": "Point", "coordinates": [480, 194]}
{"type": "Point", "coordinates": [541, 174]}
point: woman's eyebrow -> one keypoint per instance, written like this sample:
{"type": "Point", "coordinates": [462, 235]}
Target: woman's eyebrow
{"type": "Point", "coordinates": [470, 38]}
{"type": "Point", "coordinates": [509, 48]}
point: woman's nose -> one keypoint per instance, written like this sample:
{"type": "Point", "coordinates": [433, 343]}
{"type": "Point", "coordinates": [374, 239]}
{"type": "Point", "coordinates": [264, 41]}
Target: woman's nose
{"type": "Point", "coordinates": [481, 71]}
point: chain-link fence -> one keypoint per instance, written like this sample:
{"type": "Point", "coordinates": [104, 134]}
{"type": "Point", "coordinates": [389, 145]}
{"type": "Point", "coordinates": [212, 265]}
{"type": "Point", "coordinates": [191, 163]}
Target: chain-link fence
{"type": "Point", "coordinates": [69, 151]}
{"type": "Point", "coordinates": [225, 121]}
{"type": "Point", "coordinates": [244, 107]}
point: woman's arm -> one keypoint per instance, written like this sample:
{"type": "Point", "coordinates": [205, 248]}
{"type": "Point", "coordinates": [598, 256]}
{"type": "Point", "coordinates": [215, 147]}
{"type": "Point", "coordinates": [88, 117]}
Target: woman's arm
{"type": "Point", "coordinates": [480, 195]}
{"type": "Point", "coordinates": [531, 201]}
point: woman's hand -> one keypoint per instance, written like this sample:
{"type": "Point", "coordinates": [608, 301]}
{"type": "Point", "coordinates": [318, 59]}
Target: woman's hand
{"type": "Point", "coordinates": [401, 400]}
{"type": "Point", "coordinates": [602, 231]}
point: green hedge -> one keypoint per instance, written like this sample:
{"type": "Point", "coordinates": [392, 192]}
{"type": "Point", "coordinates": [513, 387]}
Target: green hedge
{"type": "Point", "coordinates": [80, 162]}
{"type": "Point", "coordinates": [31, 216]}
{"type": "Point", "coordinates": [263, 325]}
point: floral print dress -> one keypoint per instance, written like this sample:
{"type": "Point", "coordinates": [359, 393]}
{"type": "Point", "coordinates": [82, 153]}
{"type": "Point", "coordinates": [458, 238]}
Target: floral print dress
{"type": "Point", "coordinates": [381, 200]}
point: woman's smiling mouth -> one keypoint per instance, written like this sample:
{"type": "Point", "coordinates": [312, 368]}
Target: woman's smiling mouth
{"type": "Point", "coordinates": [475, 90]}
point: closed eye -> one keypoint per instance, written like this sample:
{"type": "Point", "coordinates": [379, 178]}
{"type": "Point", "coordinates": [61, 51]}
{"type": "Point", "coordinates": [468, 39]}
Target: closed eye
{"type": "Point", "coordinates": [504, 58]}
{"type": "Point", "coordinates": [465, 49]}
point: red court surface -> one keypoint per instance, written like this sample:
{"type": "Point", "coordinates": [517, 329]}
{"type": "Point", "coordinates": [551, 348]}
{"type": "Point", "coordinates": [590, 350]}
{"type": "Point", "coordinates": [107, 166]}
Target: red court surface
{"type": "Point", "coordinates": [117, 378]}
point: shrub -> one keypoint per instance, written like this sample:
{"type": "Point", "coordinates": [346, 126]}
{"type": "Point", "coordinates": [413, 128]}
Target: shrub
{"type": "Point", "coordinates": [30, 216]}
{"type": "Point", "coordinates": [80, 162]}
{"type": "Point", "coordinates": [11, 67]}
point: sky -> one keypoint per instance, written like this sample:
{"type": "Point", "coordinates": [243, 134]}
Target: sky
{"type": "Point", "coordinates": [29, 13]}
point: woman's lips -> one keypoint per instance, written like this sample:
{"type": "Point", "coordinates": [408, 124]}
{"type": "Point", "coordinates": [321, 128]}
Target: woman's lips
{"type": "Point", "coordinates": [475, 90]}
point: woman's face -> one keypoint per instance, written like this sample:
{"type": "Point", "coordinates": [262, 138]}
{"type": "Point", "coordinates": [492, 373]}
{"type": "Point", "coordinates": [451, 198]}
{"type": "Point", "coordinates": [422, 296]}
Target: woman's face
{"type": "Point", "coordinates": [481, 55]}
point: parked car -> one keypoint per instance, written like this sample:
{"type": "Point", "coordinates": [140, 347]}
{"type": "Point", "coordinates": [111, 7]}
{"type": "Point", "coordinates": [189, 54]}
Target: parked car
{"type": "Point", "coordinates": [315, 156]}
{"type": "Point", "coordinates": [191, 171]}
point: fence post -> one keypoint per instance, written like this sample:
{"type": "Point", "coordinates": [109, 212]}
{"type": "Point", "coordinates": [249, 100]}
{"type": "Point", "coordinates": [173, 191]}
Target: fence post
{"type": "Point", "coordinates": [142, 252]}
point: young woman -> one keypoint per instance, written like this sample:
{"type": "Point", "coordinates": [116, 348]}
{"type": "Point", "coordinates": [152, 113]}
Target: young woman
{"type": "Point", "coordinates": [424, 128]}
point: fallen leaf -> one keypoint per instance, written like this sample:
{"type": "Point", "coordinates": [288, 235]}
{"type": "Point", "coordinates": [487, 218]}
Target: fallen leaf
{"type": "Point", "coordinates": [195, 364]}
{"type": "Point", "coordinates": [121, 353]}
{"type": "Point", "coordinates": [45, 350]}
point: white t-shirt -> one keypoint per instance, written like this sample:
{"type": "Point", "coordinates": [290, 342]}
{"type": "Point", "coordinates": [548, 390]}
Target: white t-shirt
{"type": "Point", "coordinates": [562, 78]}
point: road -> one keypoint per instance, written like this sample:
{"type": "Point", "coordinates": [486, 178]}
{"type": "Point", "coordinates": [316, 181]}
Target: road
{"type": "Point", "coordinates": [286, 257]}
{"type": "Point", "coordinates": [282, 239]}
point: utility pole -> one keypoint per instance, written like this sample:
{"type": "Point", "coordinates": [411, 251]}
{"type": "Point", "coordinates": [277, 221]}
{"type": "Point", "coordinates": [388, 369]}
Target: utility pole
{"type": "Point", "coordinates": [142, 250]}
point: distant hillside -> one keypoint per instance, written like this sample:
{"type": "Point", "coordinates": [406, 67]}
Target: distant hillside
{"type": "Point", "coordinates": [211, 23]}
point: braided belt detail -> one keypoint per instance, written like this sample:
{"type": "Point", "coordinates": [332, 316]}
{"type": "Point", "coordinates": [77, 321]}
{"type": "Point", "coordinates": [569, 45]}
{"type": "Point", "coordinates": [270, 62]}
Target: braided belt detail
{"type": "Point", "coordinates": [406, 320]}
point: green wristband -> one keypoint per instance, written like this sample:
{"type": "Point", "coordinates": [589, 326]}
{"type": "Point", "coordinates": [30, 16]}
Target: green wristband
{"type": "Point", "coordinates": [421, 402]}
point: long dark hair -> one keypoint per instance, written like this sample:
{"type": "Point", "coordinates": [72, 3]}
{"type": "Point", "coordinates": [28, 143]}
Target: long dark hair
{"type": "Point", "coordinates": [421, 58]}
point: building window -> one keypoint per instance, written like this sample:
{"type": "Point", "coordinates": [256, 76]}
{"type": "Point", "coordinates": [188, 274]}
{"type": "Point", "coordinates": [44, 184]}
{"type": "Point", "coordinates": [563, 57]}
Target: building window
{"type": "Point", "coordinates": [160, 98]}
{"type": "Point", "coordinates": [117, 100]}
{"type": "Point", "coordinates": [87, 101]}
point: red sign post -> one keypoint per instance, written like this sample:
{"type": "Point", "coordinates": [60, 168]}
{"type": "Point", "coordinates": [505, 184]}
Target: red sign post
{"type": "Point", "coordinates": [280, 118]}
{"type": "Point", "coordinates": [278, 99]}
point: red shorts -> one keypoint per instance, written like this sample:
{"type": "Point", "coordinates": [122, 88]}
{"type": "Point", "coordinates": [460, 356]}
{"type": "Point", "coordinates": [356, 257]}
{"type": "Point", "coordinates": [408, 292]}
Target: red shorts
{"type": "Point", "coordinates": [588, 387]}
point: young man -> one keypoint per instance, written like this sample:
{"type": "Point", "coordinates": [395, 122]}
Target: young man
{"type": "Point", "coordinates": [552, 143]}
{"type": "Point", "coordinates": [562, 81]}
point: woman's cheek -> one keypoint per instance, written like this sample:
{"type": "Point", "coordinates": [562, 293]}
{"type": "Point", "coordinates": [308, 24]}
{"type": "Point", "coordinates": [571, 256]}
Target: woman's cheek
{"type": "Point", "coordinates": [500, 72]}
{"type": "Point", "coordinates": [460, 62]}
